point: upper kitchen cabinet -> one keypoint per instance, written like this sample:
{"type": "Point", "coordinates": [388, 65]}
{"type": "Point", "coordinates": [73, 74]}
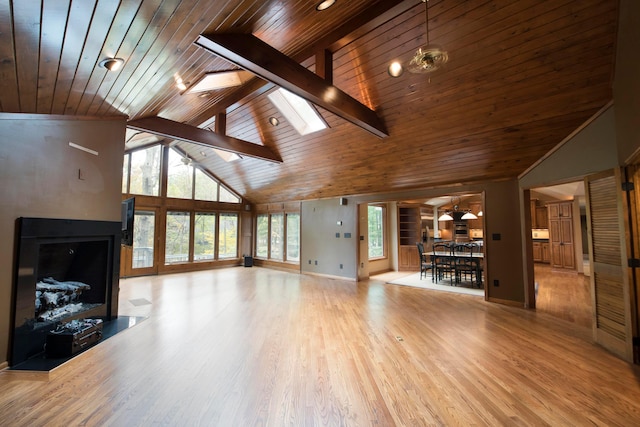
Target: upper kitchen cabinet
{"type": "Point", "coordinates": [539, 215]}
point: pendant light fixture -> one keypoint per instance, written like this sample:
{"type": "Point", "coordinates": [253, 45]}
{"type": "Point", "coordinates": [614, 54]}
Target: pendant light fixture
{"type": "Point", "coordinates": [469, 215]}
{"type": "Point", "coordinates": [445, 217]}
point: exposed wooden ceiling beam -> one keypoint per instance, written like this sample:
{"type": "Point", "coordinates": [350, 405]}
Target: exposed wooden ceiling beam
{"type": "Point", "coordinates": [252, 54]}
{"type": "Point", "coordinates": [374, 16]}
{"type": "Point", "coordinates": [188, 133]}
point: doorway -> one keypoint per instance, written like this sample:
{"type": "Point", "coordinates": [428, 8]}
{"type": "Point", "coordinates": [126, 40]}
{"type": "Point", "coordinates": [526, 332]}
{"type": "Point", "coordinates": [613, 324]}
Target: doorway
{"type": "Point", "coordinates": [141, 258]}
{"type": "Point", "coordinates": [561, 262]}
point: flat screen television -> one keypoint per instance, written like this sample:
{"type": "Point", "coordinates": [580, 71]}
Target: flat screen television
{"type": "Point", "coordinates": [128, 213]}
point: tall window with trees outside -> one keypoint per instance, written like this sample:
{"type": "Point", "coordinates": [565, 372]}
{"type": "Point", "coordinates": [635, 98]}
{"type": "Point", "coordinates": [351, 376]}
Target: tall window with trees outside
{"type": "Point", "coordinates": [277, 236]}
{"type": "Point", "coordinates": [144, 174]}
{"type": "Point", "coordinates": [276, 232]}
{"type": "Point", "coordinates": [228, 236]}
{"type": "Point", "coordinates": [214, 235]}
{"type": "Point", "coordinates": [262, 236]}
{"type": "Point", "coordinates": [179, 176]}
{"type": "Point", "coordinates": [376, 231]}
{"type": "Point", "coordinates": [177, 238]}
{"type": "Point", "coordinates": [144, 223]}
{"type": "Point", "coordinates": [293, 237]}
{"type": "Point", "coordinates": [204, 236]}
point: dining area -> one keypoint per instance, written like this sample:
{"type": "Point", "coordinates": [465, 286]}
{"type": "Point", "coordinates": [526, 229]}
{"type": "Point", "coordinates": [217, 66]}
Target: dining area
{"type": "Point", "coordinates": [453, 263]}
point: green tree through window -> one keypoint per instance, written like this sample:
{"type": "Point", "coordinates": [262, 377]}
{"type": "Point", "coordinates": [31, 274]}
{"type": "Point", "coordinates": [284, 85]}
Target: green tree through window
{"type": "Point", "coordinates": [376, 231]}
{"type": "Point", "coordinates": [204, 236]}
{"type": "Point", "coordinates": [228, 236]}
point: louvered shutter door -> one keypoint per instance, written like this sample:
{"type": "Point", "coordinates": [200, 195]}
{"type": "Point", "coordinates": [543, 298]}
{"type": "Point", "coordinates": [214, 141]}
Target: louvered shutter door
{"type": "Point", "coordinates": [607, 251]}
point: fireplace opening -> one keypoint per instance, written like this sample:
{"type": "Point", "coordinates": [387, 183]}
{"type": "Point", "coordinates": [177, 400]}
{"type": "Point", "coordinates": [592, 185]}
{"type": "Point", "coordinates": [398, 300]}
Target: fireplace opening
{"type": "Point", "coordinates": [71, 279]}
{"type": "Point", "coordinates": [65, 270]}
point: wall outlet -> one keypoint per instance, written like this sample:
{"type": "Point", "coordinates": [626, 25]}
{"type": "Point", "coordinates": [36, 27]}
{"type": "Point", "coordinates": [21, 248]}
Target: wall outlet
{"type": "Point", "coordinates": [340, 266]}
{"type": "Point", "coordinates": [496, 282]}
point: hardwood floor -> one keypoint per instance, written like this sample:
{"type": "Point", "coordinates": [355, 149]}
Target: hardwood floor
{"type": "Point", "coordinates": [563, 294]}
{"type": "Point", "coordinates": [258, 347]}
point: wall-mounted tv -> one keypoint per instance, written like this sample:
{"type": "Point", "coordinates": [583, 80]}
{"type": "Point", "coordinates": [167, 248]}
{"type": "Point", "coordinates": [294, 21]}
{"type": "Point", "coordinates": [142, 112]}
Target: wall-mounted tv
{"type": "Point", "coordinates": [128, 213]}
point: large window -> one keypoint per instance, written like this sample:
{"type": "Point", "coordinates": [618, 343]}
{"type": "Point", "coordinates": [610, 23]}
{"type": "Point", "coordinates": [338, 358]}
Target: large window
{"type": "Point", "coordinates": [293, 237]}
{"type": "Point", "coordinates": [125, 173]}
{"type": "Point", "coordinates": [228, 196]}
{"type": "Point", "coordinates": [206, 188]}
{"type": "Point", "coordinates": [228, 236]}
{"type": "Point", "coordinates": [204, 236]}
{"type": "Point", "coordinates": [144, 174]}
{"type": "Point", "coordinates": [177, 238]}
{"type": "Point", "coordinates": [179, 176]}
{"type": "Point", "coordinates": [141, 175]}
{"type": "Point", "coordinates": [262, 236]}
{"type": "Point", "coordinates": [144, 223]}
{"type": "Point", "coordinates": [376, 233]}
{"type": "Point", "coordinates": [277, 236]}
{"type": "Point", "coordinates": [276, 232]}
{"type": "Point", "coordinates": [195, 229]}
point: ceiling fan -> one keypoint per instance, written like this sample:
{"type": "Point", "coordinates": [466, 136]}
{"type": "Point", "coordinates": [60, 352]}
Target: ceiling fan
{"type": "Point", "coordinates": [430, 57]}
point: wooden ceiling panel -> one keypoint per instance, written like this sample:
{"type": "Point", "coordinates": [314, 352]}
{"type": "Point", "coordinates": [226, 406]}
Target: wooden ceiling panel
{"type": "Point", "coordinates": [521, 77]}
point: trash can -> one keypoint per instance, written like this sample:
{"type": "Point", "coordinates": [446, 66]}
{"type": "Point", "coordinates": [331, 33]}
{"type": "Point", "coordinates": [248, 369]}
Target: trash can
{"type": "Point", "coordinates": [248, 261]}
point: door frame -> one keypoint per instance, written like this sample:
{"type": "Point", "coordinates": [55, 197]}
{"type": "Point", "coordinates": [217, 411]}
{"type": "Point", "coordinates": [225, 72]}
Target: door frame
{"type": "Point", "coordinates": [126, 253]}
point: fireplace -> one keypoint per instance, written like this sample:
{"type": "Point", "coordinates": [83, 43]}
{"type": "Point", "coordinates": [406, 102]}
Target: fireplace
{"type": "Point", "coordinates": [65, 270]}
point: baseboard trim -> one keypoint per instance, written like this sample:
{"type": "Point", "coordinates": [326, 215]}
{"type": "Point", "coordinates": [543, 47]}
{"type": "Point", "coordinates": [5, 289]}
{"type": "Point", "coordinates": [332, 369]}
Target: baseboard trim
{"type": "Point", "coordinates": [508, 302]}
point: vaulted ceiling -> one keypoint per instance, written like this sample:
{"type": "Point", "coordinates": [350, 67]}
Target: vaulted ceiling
{"type": "Point", "coordinates": [521, 76]}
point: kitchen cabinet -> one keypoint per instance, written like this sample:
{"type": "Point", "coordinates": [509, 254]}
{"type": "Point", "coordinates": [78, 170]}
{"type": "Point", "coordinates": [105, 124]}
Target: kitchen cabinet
{"type": "Point", "coordinates": [409, 259]}
{"type": "Point", "coordinates": [561, 235]}
{"type": "Point", "coordinates": [546, 254]}
{"type": "Point", "coordinates": [542, 218]}
{"type": "Point", "coordinates": [409, 233]}
{"type": "Point", "coordinates": [539, 215]}
{"type": "Point", "coordinates": [537, 252]}
{"type": "Point", "coordinates": [541, 251]}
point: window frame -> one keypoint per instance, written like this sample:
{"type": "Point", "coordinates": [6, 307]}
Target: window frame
{"type": "Point", "coordinates": [285, 237]}
{"type": "Point", "coordinates": [193, 207]}
{"type": "Point", "coordinates": [385, 232]}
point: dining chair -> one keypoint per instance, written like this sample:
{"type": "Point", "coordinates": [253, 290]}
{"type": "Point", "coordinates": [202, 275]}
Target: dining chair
{"type": "Point", "coordinates": [443, 262]}
{"type": "Point", "coordinates": [465, 265]}
{"type": "Point", "coordinates": [425, 265]}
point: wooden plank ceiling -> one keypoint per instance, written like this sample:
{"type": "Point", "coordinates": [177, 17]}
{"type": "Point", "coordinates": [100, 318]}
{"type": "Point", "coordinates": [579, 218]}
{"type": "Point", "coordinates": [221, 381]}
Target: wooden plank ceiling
{"type": "Point", "coordinates": [521, 77]}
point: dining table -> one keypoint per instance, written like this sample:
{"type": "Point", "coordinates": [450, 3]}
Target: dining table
{"type": "Point", "coordinates": [476, 258]}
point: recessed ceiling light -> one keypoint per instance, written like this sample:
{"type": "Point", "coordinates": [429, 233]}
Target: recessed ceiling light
{"type": "Point", "coordinates": [274, 121]}
{"type": "Point", "coordinates": [326, 4]}
{"type": "Point", "coordinates": [395, 69]}
{"type": "Point", "coordinates": [112, 64]}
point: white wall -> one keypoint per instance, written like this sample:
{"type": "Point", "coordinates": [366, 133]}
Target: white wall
{"type": "Point", "coordinates": [326, 247]}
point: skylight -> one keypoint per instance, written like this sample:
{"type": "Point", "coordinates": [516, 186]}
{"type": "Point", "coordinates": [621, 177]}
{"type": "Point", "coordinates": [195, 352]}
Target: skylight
{"type": "Point", "coordinates": [227, 156]}
{"type": "Point", "coordinates": [301, 114]}
{"type": "Point", "coordinates": [220, 80]}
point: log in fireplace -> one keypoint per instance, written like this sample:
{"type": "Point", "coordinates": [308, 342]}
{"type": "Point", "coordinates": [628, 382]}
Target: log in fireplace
{"type": "Point", "coordinates": [64, 270]}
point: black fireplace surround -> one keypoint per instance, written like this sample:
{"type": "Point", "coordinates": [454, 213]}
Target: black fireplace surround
{"type": "Point", "coordinates": [64, 270]}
